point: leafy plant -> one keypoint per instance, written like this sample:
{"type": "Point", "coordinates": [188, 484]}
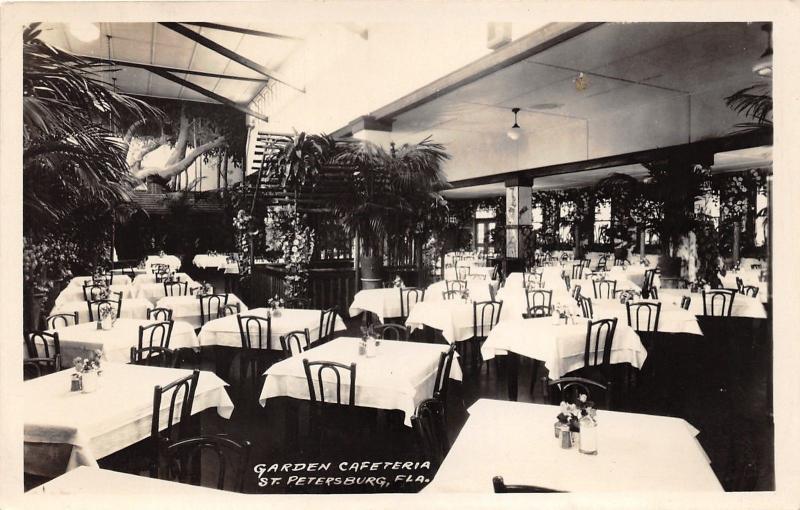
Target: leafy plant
{"type": "Point", "coordinates": [754, 102]}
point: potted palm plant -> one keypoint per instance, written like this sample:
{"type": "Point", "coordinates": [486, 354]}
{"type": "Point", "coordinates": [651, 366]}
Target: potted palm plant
{"type": "Point", "coordinates": [389, 193]}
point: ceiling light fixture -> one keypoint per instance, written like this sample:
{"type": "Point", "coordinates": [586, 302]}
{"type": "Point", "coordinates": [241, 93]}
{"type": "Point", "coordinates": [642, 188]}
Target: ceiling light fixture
{"type": "Point", "coordinates": [85, 32]}
{"type": "Point", "coordinates": [581, 82]}
{"type": "Point", "coordinates": [763, 67]}
{"type": "Point", "coordinates": [513, 133]}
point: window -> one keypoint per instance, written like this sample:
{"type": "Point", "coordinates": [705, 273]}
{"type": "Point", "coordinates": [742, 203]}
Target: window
{"type": "Point", "coordinates": [567, 211]}
{"type": "Point", "coordinates": [602, 221]}
{"type": "Point", "coordinates": [762, 201]}
{"type": "Point", "coordinates": [485, 223]}
{"type": "Point", "coordinates": [536, 217]}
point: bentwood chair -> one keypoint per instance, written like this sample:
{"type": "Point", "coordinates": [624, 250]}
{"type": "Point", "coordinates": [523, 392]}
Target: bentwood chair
{"type": "Point", "coordinates": [49, 361]}
{"type": "Point", "coordinates": [327, 324]}
{"type": "Point", "coordinates": [94, 306]}
{"type": "Point", "coordinates": [604, 289]}
{"type": "Point", "coordinates": [181, 390]}
{"type": "Point", "coordinates": [325, 380]}
{"type": "Point", "coordinates": [459, 285]}
{"type": "Point", "coordinates": [409, 296]}
{"type": "Point", "coordinates": [533, 278]}
{"type": "Point", "coordinates": [539, 297]}
{"type": "Point", "coordinates": [295, 342]}
{"type": "Point", "coordinates": [159, 314]}
{"type": "Point", "coordinates": [154, 357]}
{"type": "Point", "coordinates": [601, 263]}
{"type": "Point", "coordinates": [443, 375]}
{"type": "Point", "coordinates": [575, 292]}
{"type": "Point", "coordinates": [157, 334]}
{"type": "Point", "coordinates": [256, 334]}
{"type": "Point", "coordinates": [500, 487]}
{"type": "Point", "coordinates": [93, 291]}
{"type": "Point", "coordinates": [536, 311]}
{"type": "Point", "coordinates": [566, 279]}
{"type": "Point", "coordinates": [648, 290]}
{"type": "Point", "coordinates": [485, 316]}
{"type": "Point", "coordinates": [447, 295]}
{"type": "Point", "coordinates": [211, 307]}
{"type": "Point", "coordinates": [739, 284]}
{"type": "Point", "coordinates": [230, 309]}
{"type": "Point", "coordinates": [749, 290]}
{"type": "Point", "coordinates": [718, 302]}
{"type": "Point", "coordinates": [585, 304]}
{"type": "Point", "coordinates": [396, 332]}
{"type": "Point", "coordinates": [643, 316]}
{"type": "Point", "coordinates": [429, 425]}
{"type": "Point", "coordinates": [597, 352]}
{"type": "Point", "coordinates": [69, 319]}
{"type": "Point", "coordinates": [577, 271]}
{"type": "Point", "coordinates": [463, 272]}
{"type": "Point", "coordinates": [569, 389]}
{"type": "Point", "coordinates": [181, 460]}
{"type": "Point", "coordinates": [175, 288]}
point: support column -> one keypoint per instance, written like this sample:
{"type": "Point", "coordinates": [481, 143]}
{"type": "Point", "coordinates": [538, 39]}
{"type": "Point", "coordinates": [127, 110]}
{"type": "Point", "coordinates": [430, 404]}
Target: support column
{"type": "Point", "coordinates": [518, 214]}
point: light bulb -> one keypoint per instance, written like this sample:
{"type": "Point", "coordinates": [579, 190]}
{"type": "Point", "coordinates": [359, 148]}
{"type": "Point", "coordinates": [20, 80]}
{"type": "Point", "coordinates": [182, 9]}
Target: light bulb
{"type": "Point", "coordinates": [86, 32]}
{"type": "Point", "coordinates": [513, 133]}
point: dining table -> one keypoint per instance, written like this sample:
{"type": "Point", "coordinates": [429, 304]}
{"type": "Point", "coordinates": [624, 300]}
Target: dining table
{"type": "Point", "coordinates": [225, 331]}
{"type": "Point", "coordinates": [206, 260]}
{"type": "Point", "coordinates": [187, 308]}
{"type": "Point", "coordinates": [751, 277]}
{"type": "Point", "coordinates": [73, 292]}
{"type": "Point", "coordinates": [81, 339]}
{"type": "Point", "coordinates": [559, 345]}
{"type": "Point", "coordinates": [743, 306]}
{"type": "Point", "coordinates": [453, 317]}
{"type": "Point", "coordinates": [155, 291]}
{"type": "Point", "coordinates": [635, 453]}
{"type": "Point", "coordinates": [131, 308]}
{"type": "Point", "coordinates": [151, 278]}
{"type": "Point", "coordinates": [135, 489]}
{"type": "Point", "coordinates": [478, 290]}
{"type": "Point", "coordinates": [399, 376]}
{"type": "Point", "coordinates": [172, 261]}
{"type": "Point", "coordinates": [65, 429]}
{"type": "Point", "coordinates": [384, 303]}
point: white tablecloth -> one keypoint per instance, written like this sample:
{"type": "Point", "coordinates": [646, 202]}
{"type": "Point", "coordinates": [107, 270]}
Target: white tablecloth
{"type": "Point", "coordinates": [225, 331]}
{"type": "Point", "coordinates": [743, 306]}
{"type": "Point", "coordinates": [171, 260]}
{"type": "Point", "coordinates": [400, 376]}
{"type": "Point", "coordinates": [453, 317]}
{"type": "Point", "coordinates": [749, 277]}
{"type": "Point", "coordinates": [631, 277]}
{"type": "Point", "coordinates": [672, 318]}
{"type": "Point", "coordinates": [187, 308]}
{"type": "Point", "coordinates": [93, 425]}
{"type": "Point", "coordinates": [450, 273]}
{"type": "Point", "coordinates": [85, 480]}
{"type": "Point", "coordinates": [116, 343]}
{"type": "Point", "coordinates": [151, 278]}
{"type": "Point", "coordinates": [560, 347]}
{"type": "Point", "coordinates": [132, 308]}
{"type": "Point", "coordinates": [385, 303]}
{"type": "Point", "coordinates": [75, 293]}
{"type": "Point", "coordinates": [230, 268]}
{"type": "Point", "coordinates": [636, 453]}
{"type": "Point", "coordinates": [116, 279]}
{"type": "Point", "coordinates": [479, 290]}
{"type": "Point", "coordinates": [155, 291]}
{"type": "Point", "coordinates": [213, 261]}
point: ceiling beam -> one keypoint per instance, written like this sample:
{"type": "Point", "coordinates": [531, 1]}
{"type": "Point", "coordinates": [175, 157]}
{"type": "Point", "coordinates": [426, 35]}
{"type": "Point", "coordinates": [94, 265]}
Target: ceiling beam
{"type": "Point", "coordinates": [222, 50]}
{"type": "Point", "coordinates": [209, 94]}
{"type": "Point", "coordinates": [150, 67]}
{"type": "Point", "coordinates": [240, 30]}
{"type": "Point", "coordinates": [509, 54]}
{"type": "Point", "coordinates": [688, 151]}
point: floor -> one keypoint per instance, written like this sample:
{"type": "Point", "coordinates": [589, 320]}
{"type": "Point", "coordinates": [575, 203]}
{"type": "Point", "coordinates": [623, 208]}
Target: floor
{"type": "Point", "coordinates": [726, 373]}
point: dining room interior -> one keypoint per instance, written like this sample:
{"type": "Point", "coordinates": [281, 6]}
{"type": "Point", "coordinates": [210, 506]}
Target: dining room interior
{"type": "Point", "coordinates": [273, 257]}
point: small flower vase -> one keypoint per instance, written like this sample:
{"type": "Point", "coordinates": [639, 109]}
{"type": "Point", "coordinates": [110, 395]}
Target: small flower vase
{"type": "Point", "coordinates": [587, 442]}
{"type": "Point", "coordinates": [372, 347]}
{"type": "Point", "coordinates": [276, 312]}
{"type": "Point", "coordinates": [89, 381]}
{"type": "Point", "coordinates": [106, 323]}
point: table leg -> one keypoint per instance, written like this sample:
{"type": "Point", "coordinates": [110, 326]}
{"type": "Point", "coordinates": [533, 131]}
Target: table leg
{"type": "Point", "coordinates": [512, 374]}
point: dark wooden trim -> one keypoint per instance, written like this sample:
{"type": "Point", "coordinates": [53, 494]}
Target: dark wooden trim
{"type": "Point", "coordinates": [240, 30]}
{"type": "Point", "coordinates": [209, 94]}
{"type": "Point", "coordinates": [222, 50]}
{"type": "Point", "coordinates": [694, 151]}
{"type": "Point", "coordinates": [368, 122]}
{"type": "Point", "coordinates": [516, 51]}
{"type": "Point", "coordinates": [150, 67]}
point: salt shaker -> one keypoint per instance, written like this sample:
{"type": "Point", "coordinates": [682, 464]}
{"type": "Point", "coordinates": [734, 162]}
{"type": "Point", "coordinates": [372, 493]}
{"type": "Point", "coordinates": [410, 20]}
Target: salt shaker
{"type": "Point", "coordinates": [76, 383]}
{"type": "Point", "coordinates": [566, 437]}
